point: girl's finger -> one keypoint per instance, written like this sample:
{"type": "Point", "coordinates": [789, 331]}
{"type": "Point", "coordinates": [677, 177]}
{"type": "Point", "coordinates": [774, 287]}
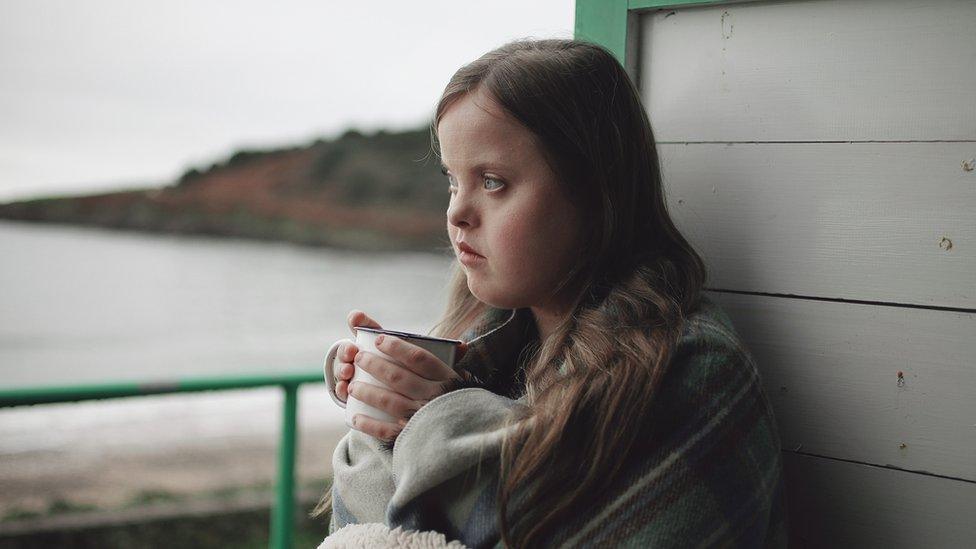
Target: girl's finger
{"type": "Point", "coordinates": [416, 359]}
{"type": "Point", "coordinates": [359, 318]}
{"type": "Point", "coordinates": [388, 401]}
{"type": "Point", "coordinates": [347, 351]}
{"type": "Point", "coordinates": [345, 371]}
{"type": "Point", "coordinates": [379, 429]}
{"type": "Point", "coordinates": [342, 390]}
{"type": "Point", "coordinates": [395, 376]}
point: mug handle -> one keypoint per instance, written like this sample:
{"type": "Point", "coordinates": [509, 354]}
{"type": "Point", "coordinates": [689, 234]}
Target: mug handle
{"type": "Point", "coordinates": [328, 369]}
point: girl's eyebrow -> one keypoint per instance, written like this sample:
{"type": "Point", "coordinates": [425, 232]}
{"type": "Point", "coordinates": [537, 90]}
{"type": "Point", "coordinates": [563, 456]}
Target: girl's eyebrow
{"type": "Point", "coordinates": [477, 168]}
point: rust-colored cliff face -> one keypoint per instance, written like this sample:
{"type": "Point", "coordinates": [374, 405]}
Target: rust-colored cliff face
{"type": "Point", "coordinates": [375, 192]}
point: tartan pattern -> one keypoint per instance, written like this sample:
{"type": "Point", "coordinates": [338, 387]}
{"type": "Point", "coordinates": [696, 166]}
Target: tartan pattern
{"type": "Point", "coordinates": [710, 473]}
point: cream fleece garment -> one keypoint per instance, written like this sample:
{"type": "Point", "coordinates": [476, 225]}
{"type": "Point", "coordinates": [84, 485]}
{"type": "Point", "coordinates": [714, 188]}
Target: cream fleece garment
{"type": "Point", "coordinates": [374, 534]}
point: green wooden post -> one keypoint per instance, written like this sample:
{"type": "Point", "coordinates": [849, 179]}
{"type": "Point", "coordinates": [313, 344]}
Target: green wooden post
{"type": "Point", "coordinates": [282, 516]}
{"type": "Point", "coordinates": [603, 22]}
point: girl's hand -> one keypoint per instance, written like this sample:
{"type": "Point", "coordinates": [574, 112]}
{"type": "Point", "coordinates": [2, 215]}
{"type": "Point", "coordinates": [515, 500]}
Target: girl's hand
{"type": "Point", "coordinates": [347, 352]}
{"type": "Point", "coordinates": [415, 377]}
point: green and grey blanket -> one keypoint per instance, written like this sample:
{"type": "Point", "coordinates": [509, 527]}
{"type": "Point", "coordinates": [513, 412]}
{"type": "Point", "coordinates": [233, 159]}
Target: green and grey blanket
{"type": "Point", "coordinates": [714, 478]}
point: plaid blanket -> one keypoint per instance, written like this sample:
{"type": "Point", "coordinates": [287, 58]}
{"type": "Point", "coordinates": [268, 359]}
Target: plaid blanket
{"type": "Point", "coordinates": [713, 476]}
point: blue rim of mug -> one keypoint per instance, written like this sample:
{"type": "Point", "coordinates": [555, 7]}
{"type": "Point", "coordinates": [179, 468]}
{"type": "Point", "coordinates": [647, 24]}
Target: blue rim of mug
{"type": "Point", "coordinates": [407, 335]}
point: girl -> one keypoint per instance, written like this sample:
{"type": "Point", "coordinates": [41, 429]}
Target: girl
{"type": "Point", "coordinates": [603, 399]}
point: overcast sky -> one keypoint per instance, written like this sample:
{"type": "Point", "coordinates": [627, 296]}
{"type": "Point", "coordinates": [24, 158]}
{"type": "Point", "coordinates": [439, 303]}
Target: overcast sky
{"type": "Point", "coordinates": [106, 94]}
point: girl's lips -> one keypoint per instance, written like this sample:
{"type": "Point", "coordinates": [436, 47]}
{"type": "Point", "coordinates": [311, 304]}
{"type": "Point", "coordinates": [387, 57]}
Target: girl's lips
{"type": "Point", "coordinates": [470, 259]}
{"type": "Point", "coordinates": [464, 248]}
{"type": "Point", "coordinates": [468, 256]}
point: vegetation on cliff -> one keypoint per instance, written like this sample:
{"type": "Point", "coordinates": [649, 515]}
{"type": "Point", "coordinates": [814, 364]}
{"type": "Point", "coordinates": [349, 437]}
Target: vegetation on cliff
{"type": "Point", "coordinates": [379, 192]}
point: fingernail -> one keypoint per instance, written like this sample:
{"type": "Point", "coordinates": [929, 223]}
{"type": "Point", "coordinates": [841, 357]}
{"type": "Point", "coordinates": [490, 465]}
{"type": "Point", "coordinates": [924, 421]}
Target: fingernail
{"type": "Point", "coordinates": [379, 339]}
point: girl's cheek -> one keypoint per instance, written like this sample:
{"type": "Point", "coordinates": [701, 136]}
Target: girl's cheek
{"type": "Point", "coordinates": [511, 230]}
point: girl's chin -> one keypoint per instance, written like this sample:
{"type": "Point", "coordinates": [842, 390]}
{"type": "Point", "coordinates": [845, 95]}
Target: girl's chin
{"type": "Point", "coordinates": [481, 293]}
{"type": "Point", "coordinates": [493, 297]}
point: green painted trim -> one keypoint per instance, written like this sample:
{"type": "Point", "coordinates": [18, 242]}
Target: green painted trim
{"type": "Point", "coordinates": [48, 395]}
{"type": "Point", "coordinates": [603, 22]}
{"type": "Point", "coordinates": [651, 4]}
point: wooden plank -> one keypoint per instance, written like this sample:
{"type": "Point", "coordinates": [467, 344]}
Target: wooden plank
{"type": "Point", "coordinates": [890, 222]}
{"type": "Point", "coordinates": [831, 70]}
{"type": "Point", "coordinates": [831, 372]}
{"type": "Point", "coordinates": [838, 504]}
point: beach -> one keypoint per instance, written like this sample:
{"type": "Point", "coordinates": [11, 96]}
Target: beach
{"type": "Point", "coordinates": [114, 455]}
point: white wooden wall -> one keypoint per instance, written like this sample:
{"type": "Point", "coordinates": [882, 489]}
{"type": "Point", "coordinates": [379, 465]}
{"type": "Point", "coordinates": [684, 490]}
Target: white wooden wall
{"type": "Point", "coordinates": [820, 155]}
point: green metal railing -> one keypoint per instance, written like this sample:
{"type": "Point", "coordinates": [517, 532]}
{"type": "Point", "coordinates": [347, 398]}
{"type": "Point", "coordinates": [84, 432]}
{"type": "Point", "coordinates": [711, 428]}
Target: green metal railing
{"type": "Point", "coordinates": [282, 515]}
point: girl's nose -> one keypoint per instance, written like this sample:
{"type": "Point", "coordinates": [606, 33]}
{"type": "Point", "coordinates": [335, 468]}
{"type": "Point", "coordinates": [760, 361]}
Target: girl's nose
{"type": "Point", "coordinates": [461, 212]}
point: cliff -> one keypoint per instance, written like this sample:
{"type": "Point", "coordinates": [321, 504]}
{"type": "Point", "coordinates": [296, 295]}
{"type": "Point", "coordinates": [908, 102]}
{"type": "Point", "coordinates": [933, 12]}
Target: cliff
{"type": "Point", "coordinates": [378, 192]}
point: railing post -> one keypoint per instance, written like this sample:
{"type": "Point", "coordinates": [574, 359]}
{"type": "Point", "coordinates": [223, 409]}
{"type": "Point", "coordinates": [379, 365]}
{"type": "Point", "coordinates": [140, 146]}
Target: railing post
{"type": "Point", "coordinates": [282, 521]}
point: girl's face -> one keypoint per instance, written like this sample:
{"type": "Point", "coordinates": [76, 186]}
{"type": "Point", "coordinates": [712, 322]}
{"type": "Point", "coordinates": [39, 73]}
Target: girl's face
{"type": "Point", "coordinates": [506, 205]}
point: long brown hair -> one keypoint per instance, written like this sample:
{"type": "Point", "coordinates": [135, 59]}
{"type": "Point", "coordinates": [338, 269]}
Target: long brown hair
{"type": "Point", "coordinates": [589, 386]}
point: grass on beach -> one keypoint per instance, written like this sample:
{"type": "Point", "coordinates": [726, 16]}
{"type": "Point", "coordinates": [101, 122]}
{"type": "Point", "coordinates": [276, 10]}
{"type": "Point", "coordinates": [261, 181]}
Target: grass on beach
{"type": "Point", "coordinates": [230, 517]}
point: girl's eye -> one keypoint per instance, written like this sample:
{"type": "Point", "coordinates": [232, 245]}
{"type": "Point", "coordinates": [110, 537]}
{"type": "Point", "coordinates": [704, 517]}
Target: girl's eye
{"type": "Point", "coordinates": [451, 184]}
{"type": "Point", "coordinates": [490, 183]}
{"type": "Point", "coordinates": [490, 180]}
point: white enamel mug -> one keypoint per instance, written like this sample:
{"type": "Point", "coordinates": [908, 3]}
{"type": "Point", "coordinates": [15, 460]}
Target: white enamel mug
{"type": "Point", "coordinates": [444, 349]}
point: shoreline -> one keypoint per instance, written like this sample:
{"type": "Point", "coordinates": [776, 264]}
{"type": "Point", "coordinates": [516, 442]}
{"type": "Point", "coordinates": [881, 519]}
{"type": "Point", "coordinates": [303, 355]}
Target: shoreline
{"type": "Point", "coordinates": [40, 484]}
{"type": "Point", "coordinates": [117, 453]}
{"type": "Point", "coordinates": [351, 244]}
